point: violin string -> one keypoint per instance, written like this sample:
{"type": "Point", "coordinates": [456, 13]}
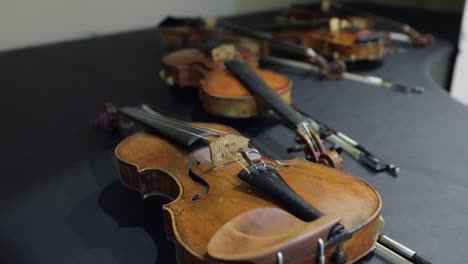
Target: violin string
{"type": "Point", "coordinates": [240, 163]}
{"type": "Point", "coordinates": [153, 117]}
{"type": "Point", "coordinates": [203, 129]}
{"type": "Point", "coordinates": [184, 123]}
{"type": "Point", "coordinates": [186, 131]}
{"type": "Point", "coordinates": [171, 126]}
{"type": "Point", "coordinates": [206, 130]}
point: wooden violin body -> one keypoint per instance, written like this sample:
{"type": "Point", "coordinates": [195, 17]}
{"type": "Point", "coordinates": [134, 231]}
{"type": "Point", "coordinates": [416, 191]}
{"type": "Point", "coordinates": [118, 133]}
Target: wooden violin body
{"type": "Point", "coordinates": [220, 92]}
{"type": "Point", "coordinates": [343, 45]}
{"type": "Point", "coordinates": [356, 19]}
{"type": "Point", "coordinates": [214, 217]}
{"type": "Point", "coordinates": [347, 46]}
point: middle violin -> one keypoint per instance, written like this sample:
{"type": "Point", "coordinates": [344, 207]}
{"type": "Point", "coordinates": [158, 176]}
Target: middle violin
{"type": "Point", "coordinates": [221, 93]}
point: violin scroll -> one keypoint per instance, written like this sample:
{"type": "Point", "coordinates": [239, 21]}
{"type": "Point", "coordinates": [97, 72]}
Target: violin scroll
{"type": "Point", "coordinates": [331, 159]}
{"type": "Point", "coordinates": [330, 70]}
{"type": "Point", "coordinates": [309, 142]}
{"type": "Point", "coordinates": [419, 40]}
{"type": "Point", "coordinates": [336, 69]}
{"type": "Point", "coordinates": [109, 120]}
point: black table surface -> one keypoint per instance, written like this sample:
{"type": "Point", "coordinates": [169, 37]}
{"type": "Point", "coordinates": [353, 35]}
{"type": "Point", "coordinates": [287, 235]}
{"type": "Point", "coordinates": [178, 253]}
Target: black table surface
{"type": "Point", "coordinates": [61, 199]}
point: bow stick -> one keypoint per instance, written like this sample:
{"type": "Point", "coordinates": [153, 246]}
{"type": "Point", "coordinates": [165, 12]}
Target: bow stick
{"type": "Point", "coordinates": [368, 79]}
{"type": "Point", "coordinates": [350, 146]}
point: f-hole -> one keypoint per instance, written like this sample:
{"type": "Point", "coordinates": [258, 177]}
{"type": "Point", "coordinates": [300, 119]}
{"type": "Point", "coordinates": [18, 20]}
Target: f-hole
{"type": "Point", "coordinates": [199, 181]}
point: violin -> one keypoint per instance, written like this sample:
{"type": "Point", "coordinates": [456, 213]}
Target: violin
{"type": "Point", "coordinates": [193, 166]}
{"type": "Point", "coordinates": [220, 92]}
{"type": "Point", "coordinates": [358, 19]}
{"type": "Point", "coordinates": [231, 204]}
{"type": "Point", "coordinates": [177, 31]}
{"type": "Point", "coordinates": [333, 41]}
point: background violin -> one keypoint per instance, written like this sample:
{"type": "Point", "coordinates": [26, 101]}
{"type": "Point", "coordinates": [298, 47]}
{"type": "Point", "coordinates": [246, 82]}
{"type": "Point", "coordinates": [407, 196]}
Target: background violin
{"type": "Point", "coordinates": [334, 41]}
{"type": "Point", "coordinates": [357, 19]}
{"type": "Point", "coordinates": [229, 203]}
{"type": "Point", "coordinates": [174, 31]}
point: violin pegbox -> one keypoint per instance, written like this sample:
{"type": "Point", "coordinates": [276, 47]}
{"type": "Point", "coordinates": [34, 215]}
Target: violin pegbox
{"type": "Point", "coordinates": [226, 149]}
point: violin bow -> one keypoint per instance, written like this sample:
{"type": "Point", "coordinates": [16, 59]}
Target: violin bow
{"type": "Point", "coordinates": [367, 79]}
{"type": "Point", "coordinates": [396, 252]}
{"type": "Point", "coordinates": [350, 146]}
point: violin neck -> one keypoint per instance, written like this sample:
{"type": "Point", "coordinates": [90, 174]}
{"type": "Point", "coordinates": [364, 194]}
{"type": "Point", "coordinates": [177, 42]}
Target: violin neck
{"type": "Point", "coordinates": [176, 130]}
{"type": "Point", "coordinates": [272, 40]}
{"type": "Point", "coordinates": [261, 89]}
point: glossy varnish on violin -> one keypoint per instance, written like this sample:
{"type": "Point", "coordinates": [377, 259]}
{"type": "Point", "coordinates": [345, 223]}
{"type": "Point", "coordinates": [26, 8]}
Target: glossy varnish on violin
{"type": "Point", "coordinates": [220, 92]}
{"type": "Point", "coordinates": [340, 45]}
{"type": "Point", "coordinates": [355, 18]}
{"type": "Point", "coordinates": [227, 219]}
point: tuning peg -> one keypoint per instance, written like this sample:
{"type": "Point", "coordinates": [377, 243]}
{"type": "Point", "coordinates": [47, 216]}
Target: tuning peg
{"type": "Point", "coordinates": [337, 148]}
{"type": "Point", "coordinates": [170, 81]}
{"type": "Point", "coordinates": [162, 74]}
{"type": "Point", "coordinates": [296, 148]}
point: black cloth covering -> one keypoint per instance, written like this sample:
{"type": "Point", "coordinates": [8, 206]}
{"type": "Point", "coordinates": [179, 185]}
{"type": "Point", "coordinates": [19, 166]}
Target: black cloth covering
{"type": "Point", "coordinates": [61, 198]}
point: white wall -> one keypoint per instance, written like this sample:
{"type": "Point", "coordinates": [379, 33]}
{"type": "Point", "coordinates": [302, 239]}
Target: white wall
{"type": "Point", "coordinates": [33, 22]}
{"type": "Point", "coordinates": [459, 89]}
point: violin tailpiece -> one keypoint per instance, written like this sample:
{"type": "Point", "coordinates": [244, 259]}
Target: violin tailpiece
{"type": "Point", "coordinates": [226, 149]}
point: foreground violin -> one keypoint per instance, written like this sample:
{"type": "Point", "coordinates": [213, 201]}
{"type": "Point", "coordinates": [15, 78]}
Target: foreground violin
{"type": "Point", "coordinates": [230, 203]}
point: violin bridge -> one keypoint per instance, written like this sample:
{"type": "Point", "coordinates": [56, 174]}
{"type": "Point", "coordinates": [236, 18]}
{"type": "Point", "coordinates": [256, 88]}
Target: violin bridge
{"type": "Point", "coordinates": [226, 149]}
{"type": "Point", "coordinates": [334, 25]}
{"type": "Point", "coordinates": [223, 52]}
